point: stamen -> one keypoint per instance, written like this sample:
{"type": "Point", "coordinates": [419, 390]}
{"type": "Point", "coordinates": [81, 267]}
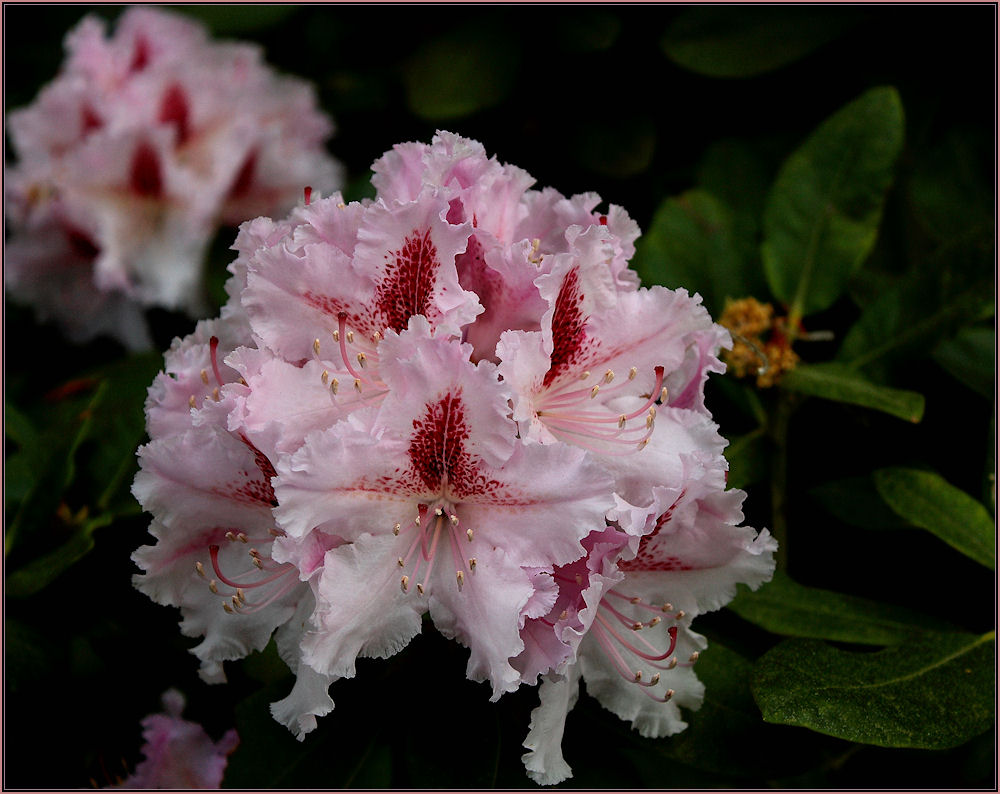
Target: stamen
{"type": "Point", "coordinates": [472, 564]}
{"type": "Point", "coordinates": [585, 375]}
{"type": "Point", "coordinates": [396, 528]}
{"type": "Point", "coordinates": [453, 519]}
{"type": "Point", "coordinates": [316, 346]}
{"type": "Point", "coordinates": [200, 569]}
{"type": "Point", "coordinates": [357, 385]}
{"type": "Point", "coordinates": [377, 337]}
{"type": "Point", "coordinates": [399, 562]}
{"type": "Point", "coordinates": [191, 401]}
{"type": "Point", "coordinates": [694, 657]}
{"type": "Point", "coordinates": [461, 578]}
{"type": "Point", "coordinates": [213, 586]}
{"type": "Point", "coordinates": [404, 583]}
{"type": "Point", "coordinates": [594, 391]}
{"type": "Point", "coordinates": [334, 385]}
{"type": "Point", "coordinates": [325, 377]}
{"type": "Point", "coordinates": [361, 360]}
{"type": "Point", "coordinates": [609, 376]}
{"type": "Point", "coordinates": [469, 534]}
{"type": "Point", "coordinates": [204, 377]}
{"type": "Point", "coordinates": [243, 537]}
{"type": "Point", "coordinates": [231, 536]}
{"type": "Point", "coordinates": [633, 371]}
{"type": "Point", "coordinates": [215, 394]}
{"type": "Point", "coordinates": [213, 352]}
{"type": "Point", "coordinates": [225, 606]}
{"type": "Point", "coordinates": [420, 588]}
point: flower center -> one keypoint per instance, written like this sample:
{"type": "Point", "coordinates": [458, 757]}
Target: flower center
{"type": "Point", "coordinates": [429, 526]}
{"type": "Point", "coordinates": [359, 357]}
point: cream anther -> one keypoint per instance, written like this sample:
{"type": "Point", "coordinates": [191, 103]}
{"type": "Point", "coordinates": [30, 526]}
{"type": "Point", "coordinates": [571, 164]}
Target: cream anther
{"type": "Point", "coordinates": [357, 385]}
{"type": "Point", "coordinates": [350, 337]}
{"type": "Point", "coordinates": [316, 346]}
{"type": "Point", "coordinates": [634, 600]}
{"type": "Point", "coordinates": [257, 562]}
{"type": "Point", "coordinates": [362, 359]}
{"type": "Point", "coordinates": [664, 394]}
{"type": "Point", "coordinates": [236, 601]}
{"type": "Point", "coordinates": [621, 421]}
{"type": "Point", "coordinates": [609, 376]}
{"type": "Point", "coordinates": [453, 519]}
{"type": "Point", "coordinates": [204, 377]}
{"type": "Point", "coordinates": [585, 374]}
{"type": "Point", "coordinates": [336, 336]}
{"type": "Point", "coordinates": [377, 337]}
{"type": "Point", "coordinates": [564, 614]}
{"type": "Point", "coordinates": [417, 520]}
{"type": "Point", "coordinates": [654, 621]}
{"type": "Point", "coordinates": [230, 535]}
{"type": "Point", "coordinates": [642, 444]}
{"type": "Point", "coordinates": [638, 675]}
{"type": "Point", "coordinates": [668, 607]}
{"type": "Point", "coordinates": [396, 528]}
{"type": "Point", "coordinates": [225, 606]}
{"type": "Point", "coordinates": [404, 583]}
{"type": "Point", "coordinates": [694, 657]}
{"type": "Point", "coordinates": [633, 371]}
{"type": "Point", "coordinates": [399, 562]}
{"type": "Point", "coordinates": [438, 512]}
{"type": "Point", "coordinates": [191, 401]}
{"type": "Point", "coordinates": [215, 394]}
{"type": "Point", "coordinates": [680, 614]}
{"type": "Point", "coordinates": [325, 377]}
{"type": "Point", "coordinates": [669, 694]}
{"type": "Point", "coordinates": [334, 385]}
{"type": "Point", "coordinates": [460, 577]}
{"type": "Point", "coordinates": [200, 569]}
{"type": "Point", "coordinates": [472, 564]}
{"type": "Point", "coordinates": [243, 537]}
{"type": "Point", "coordinates": [469, 534]}
{"type": "Point", "coordinates": [655, 679]}
{"type": "Point", "coordinates": [637, 625]}
{"type": "Point", "coordinates": [672, 664]}
{"type": "Point", "coordinates": [594, 391]}
{"type": "Point", "coordinates": [213, 587]}
{"type": "Point", "coordinates": [420, 588]}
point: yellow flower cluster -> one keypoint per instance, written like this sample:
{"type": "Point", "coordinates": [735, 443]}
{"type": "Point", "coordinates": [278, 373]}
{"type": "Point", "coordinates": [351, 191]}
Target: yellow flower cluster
{"type": "Point", "coordinates": [749, 320]}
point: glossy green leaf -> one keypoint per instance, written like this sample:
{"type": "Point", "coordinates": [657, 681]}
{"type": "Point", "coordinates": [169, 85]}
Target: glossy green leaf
{"type": "Point", "coordinates": [690, 244]}
{"type": "Point", "coordinates": [823, 212]}
{"type": "Point", "coordinates": [746, 41]}
{"type": "Point", "coordinates": [927, 500]}
{"type": "Point", "coordinates": [856, 501]}
{"type": "Point", "coordinates": [833, 381]}
{"type": "Point", "coordinates": [970, 357]}
{"type": "Point", "coordinates": [783, 606]}
{"type": "Point", "coordinates": [459, 73]}
{"type": "Point", "coordinates": [935, 691]}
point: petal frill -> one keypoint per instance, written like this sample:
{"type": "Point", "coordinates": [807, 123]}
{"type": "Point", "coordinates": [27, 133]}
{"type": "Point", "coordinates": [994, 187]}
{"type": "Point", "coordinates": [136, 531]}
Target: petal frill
{"type": "Point", "coordinates": [544, 760]}
{"type": "Point", "coordinates": [360, 608]}
{"type": "Point", "coordinates": [633, 702]}
{"type": "Point", "coordinates": [310, 695]}
{"type": "Point", "coordinates": [484, 615]}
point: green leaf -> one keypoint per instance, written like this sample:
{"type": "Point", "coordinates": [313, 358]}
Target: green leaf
{"type": "Point", "coordinates": [40, 572]}
{"type": "Point", "coordinates": [934, 692]}
{"type": "Point", "coordinates": [823, 212]}
{"type": "Point", "coordinates": [460, 72]}
{"type": "Point", "coordinates": [912, 316]}
{"type": "Point", "coordinates": [785, 607]}
{"type": "Point", "coordinates": [743, 42]}
{"type": "Point", "coordinates": [70, 427]}
{"type": "Point", "coordinates": [237, 19]}
{"type": "Point", "coordinates": [971, 358]}
{"type": "Point", "coordinates": [929, 501]}
{"type": "Point", "coordinates": [856, 501]}
{"type": "Point", "coordinates": [620, 148]}
{"type": "Point", "coordinates": [690, 244]}
{"type": "Point", "coordinates": [748, 459]}
{"type": "Point", "coordinates": [840, 383]}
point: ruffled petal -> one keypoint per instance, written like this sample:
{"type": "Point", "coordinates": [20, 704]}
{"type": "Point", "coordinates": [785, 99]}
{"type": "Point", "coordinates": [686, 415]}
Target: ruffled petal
{"type": "Point", "coordinates": [544, 760]}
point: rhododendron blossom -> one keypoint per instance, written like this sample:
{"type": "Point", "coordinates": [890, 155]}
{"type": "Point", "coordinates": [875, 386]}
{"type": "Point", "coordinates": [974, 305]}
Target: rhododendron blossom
{"type": "Point", "coordinates": [130, 159]}
{"type": "Point", "coordinates": [179, 754]}
{"type": "Point", "coordinates": [453, 399]}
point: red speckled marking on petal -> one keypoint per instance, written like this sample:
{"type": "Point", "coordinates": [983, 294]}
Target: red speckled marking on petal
{"type": "Point", "coordinates": [437, 447]}
{"type": "Point", "coordinates": [244, 178]}
{"type": "Point", "coordinates": [140, 58]}
{"type": "Point", "coordinates": [174, 110]}
{"type": "Point", "coordinates": [569, 339]}
{"type": "Point", "coordinates": [256, 485]}
{"type": "Point", "coordinates": [406, 288]}
{"type": "Point", "coordinates": [144, 177]}
{"type": "Point", "coordinates": [647, 559]}
{"type": "Point", "coordinates": [89, 120]}
{"type": "Point", "coordinates": [80, 243]}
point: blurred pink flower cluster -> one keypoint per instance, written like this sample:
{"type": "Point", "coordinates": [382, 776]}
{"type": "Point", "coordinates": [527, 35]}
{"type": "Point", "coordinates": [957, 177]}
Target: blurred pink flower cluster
{"type": "Point", "coordinates": [131, 158]}
{"type": "Point", "coordinates": [453, 399]}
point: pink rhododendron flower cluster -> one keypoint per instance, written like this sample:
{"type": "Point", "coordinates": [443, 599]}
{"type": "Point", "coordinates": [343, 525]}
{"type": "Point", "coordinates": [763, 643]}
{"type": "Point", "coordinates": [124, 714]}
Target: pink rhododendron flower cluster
{"type": "Point", "coordinates": [178, 753]}
{"type": "Point", "coordinates": [453, 399]}
{"type": "Point", "coordinates": [130, 159]}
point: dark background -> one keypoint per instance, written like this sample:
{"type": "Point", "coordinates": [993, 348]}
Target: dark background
{"type": "Point", "coordinates": [585, 99]}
